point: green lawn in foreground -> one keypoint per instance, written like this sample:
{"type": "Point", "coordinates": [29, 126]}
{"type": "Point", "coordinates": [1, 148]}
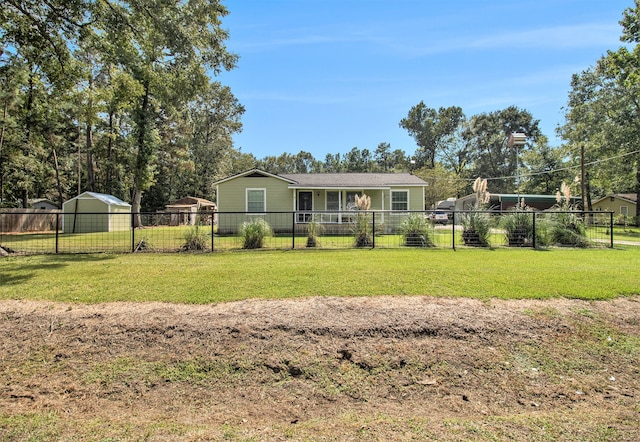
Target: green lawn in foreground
{"type": "Point", "coordinates": [220, 277]}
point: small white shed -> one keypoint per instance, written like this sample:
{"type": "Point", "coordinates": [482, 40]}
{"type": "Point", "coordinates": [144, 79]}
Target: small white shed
{"type": "Point", "coordinates": [95, 212]}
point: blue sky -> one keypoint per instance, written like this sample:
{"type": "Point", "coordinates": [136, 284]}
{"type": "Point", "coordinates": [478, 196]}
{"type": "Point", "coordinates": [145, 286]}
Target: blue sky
{"type": "Point", "coordinates": [325, 76]}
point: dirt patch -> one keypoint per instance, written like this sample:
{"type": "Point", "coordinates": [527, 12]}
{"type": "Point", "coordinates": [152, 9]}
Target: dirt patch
{"type": "Point", "coordinates": [322, 368]}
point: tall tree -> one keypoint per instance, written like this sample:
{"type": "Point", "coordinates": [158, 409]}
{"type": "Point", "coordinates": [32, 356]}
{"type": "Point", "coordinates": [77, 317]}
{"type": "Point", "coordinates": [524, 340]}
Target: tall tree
{"type": "Point", "coordinates": [622, 67]}
{"type": "Point", "coordinates": [432, 129]}
{"type": "Point", "coordinates": [382, 156]}
{"type": "Point", "coordinates": [603, 116]}
{"type": "Point", "coordinates": [169, 47]}
{"type": "Point", "coordinates": [487, 137]}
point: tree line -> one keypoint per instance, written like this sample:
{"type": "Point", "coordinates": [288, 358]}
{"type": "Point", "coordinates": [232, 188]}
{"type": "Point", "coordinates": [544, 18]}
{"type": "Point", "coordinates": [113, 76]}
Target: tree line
{"type": "Point", "coordinates": [120, 97]}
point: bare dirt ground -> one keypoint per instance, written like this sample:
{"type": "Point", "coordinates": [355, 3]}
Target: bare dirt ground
{"type": "Point", "coordinates": [388, 368]}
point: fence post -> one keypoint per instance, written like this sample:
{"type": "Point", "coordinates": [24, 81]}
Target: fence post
{"type": "Point", "coordinates": [611, 229]}
{"type": "Point", "coordinates": [453, 230]}
{"type": "Point", "coordinates": [133, 235]}
{"type": "Point", "coordinates": [534, 228]}
{"type": "Point", "coordinates": [373, 230]}
{"type": "Point", "coordinates": [57, 230]}
{"type": "Point", "coordinates": [293, 230]}
{"type": "Point", "coordinates": [213, 220]}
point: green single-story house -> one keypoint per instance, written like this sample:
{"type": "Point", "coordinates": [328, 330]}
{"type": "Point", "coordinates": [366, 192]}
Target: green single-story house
{"type": "Point", "coordinates": [330, 196]}
{"type": "Point", "coordinates": [619, 203]}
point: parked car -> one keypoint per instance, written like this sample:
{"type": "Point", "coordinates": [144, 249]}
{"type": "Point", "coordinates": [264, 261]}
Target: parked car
{"type": "Point", "coordinates": [438, 217]}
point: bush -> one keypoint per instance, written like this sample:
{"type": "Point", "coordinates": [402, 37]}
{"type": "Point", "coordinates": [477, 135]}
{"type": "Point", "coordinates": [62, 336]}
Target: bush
{"type": "Point", "coordinates": [476, 228]}
{"type": "Point", "coordinates": [362, 225]}
{"type": "Point", "coordinates": [519, 226]}
{"type": "Point", "coordinates": [567, 228]}
{"type": "Point", "coordinates": [416, 231]}
{"type": "Point", "coordinates": [476, 223]}
{"type": "Point", "coordinates": [196, 239]}
{"type": "Point", "coordinates": [254, 232]}
{"type": "Point", "coordinates": [314, 229]}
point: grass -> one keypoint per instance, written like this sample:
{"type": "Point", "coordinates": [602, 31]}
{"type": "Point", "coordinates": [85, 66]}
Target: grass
{"type": "Point", "coordinates": [221, 277]}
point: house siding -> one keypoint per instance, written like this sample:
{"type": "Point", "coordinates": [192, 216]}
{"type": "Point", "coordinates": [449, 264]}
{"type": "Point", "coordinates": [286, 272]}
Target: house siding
{"type": "Point", "coordinates": [606, 205]}
{"type": "Point", "coordinates": [232, 197]}
{"type": "Point", "coordinates": [282, 199]}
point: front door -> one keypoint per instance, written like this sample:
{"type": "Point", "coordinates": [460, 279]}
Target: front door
{"type": "Point", "coordinates": [305, 204]}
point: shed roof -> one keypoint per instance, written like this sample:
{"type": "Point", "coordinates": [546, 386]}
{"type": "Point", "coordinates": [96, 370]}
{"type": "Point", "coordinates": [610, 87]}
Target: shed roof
{"type": "Point", "coordinates": [192, 201]}
{"type": "Point", "coordinates": [107, 199]}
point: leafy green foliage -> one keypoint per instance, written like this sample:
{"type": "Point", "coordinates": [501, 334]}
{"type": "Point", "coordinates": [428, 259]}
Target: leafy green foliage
{"type": "Point", "coordinates": [432, 129]}
{"type": "Point", "coordinates": [487, 138]}
{"type": "Point", "coordinates": [254, 232]}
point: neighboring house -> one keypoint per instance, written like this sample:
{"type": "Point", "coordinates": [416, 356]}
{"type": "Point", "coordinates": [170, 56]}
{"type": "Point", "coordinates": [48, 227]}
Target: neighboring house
{"type": "Point", "coordinates": [503, 201]}
{"type": "Point", "coordinates": [331, 194]}
{"type": "Point", "coordinates": [184, 210]}
{"type": "Point", "coordinates": [618, 203]}
{"type": "Point", "coordinates": [95, 212]}
{"type": "Point", "coordinates": [43, 204]}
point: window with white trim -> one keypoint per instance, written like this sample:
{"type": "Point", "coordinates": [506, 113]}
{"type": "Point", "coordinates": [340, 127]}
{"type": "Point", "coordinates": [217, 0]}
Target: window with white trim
{"type": "Point", "coordinates": [624, 210]}
{"type": "Point", "coordinates": [256, 200]}
{"type": "Point", "coordinates": [333, 201]}
{"type": "Point", "coordinates": [399, 200]}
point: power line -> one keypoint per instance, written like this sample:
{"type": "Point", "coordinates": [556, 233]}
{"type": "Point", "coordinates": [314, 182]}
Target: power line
{"type": "Point", "coordinates": [532, 174]}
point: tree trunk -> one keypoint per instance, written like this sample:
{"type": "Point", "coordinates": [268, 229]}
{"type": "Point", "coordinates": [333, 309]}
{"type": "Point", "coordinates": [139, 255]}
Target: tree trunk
{"type": "Point", "coordinates": [142, 159]}
{"type": "Point", "coordinates": [91, 179]}
{"type": "Point", "coordinates": [135, 207]}
{"type": "Point", "coordinates": [4, 119]}
{"type": "Point", "coordinates": [58, 184]}
{"type": "Point", "coordinates": [109, 178]}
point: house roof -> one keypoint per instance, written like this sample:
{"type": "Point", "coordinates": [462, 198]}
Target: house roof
{"type": "Point", "coordinates": [355, 180]}
{"type": "Point", "coordinates": [251, 173]}
{"type": "Point", "coordinates": [337, 180]}
{"type": "Point", "coordinates": [35, 201]}
{"type": "Point", "coordinates": [630, 197]}
{"type": "Point", "coordinates": [107, 199]}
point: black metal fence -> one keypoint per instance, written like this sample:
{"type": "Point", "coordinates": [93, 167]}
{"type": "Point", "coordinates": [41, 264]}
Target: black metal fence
{"type": "Point", "coordinates": [29, 232]}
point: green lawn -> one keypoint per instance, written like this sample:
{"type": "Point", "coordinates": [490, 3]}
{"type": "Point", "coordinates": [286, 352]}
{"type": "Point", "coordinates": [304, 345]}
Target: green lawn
{"type": "Point", "coordinates": [228, 276]}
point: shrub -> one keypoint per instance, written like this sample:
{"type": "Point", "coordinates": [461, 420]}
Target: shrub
{"type": "Point", "coordinates": [362, 224]}
{"type": "Point", "coordinates": [314, 229]}
{"type": "Point", "coordinates": [567, 228]}
{"type": "Point", "coordinates": [254, 232]}
{"type": "Point", "coordinates": [196, 239]}
{"type": "Point", "coordinates": [519, 226]}
{"type": "Point", "coordinates": [416, 231]}
{"type": "Point", "coordinates": [476, 222]}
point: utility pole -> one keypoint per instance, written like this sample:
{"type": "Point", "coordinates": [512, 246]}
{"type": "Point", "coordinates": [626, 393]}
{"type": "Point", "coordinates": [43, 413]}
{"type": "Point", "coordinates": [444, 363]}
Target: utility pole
{"type": "Point", "coordinates": [582, 183]}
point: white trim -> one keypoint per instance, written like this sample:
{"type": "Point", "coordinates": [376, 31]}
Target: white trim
{"type": "Point", "coordinates": [249, 172]}
{"type": "Point", "coordinates": [407, 192]}
{"type": "Point", "coordinates": [246, 200]}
